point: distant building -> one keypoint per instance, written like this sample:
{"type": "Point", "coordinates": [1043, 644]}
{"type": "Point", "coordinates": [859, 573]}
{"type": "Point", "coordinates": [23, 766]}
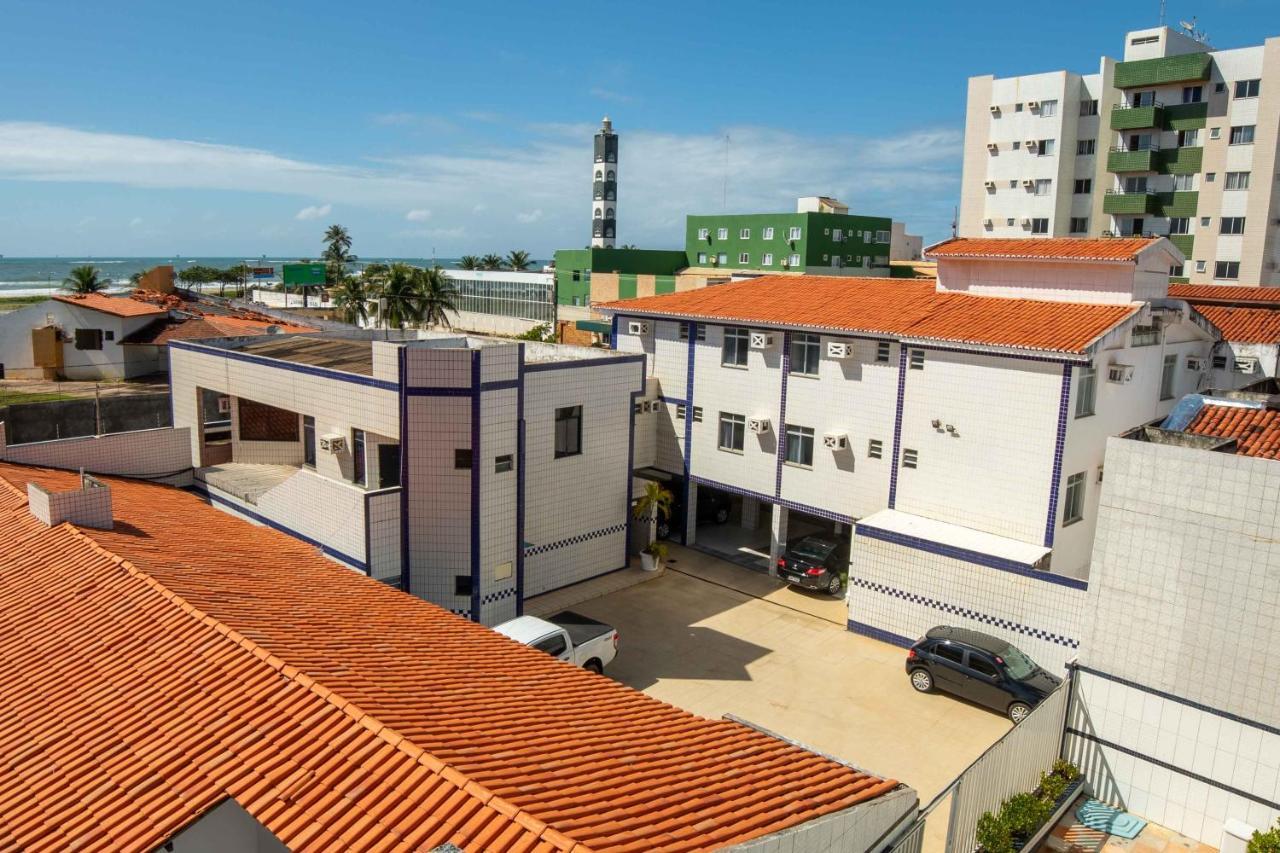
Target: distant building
{"type": "Point", "coordinates": [77, 337]}
{"type": "Point", "coordinates": [1249, 320]}
{"type": "Point", "coordinates": [604, 195]}
{"type": "Point", "coordinates": [904, 246]}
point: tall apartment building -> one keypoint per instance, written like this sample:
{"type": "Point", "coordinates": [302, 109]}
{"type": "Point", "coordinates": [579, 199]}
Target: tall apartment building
{"type": "Point", "coordinates": [1176, 140]}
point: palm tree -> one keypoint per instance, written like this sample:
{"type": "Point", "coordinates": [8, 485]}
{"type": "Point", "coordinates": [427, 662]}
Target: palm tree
{"type": "Point", "coordinates": [337, 253]}
{"type": "Point", "coordinates": [85, 279]}
{"type": "Point", "coordinates": [491, 262]}
{"type": "Point", "coordinates": [437, 297]}
{"type": "Point", "coordinates": [400, 296]}
{"type": "Point", "coordinates": [518, 260]}
{"type": "Point", "coordinates": [468, 262]}
{"type": "Point", "coordinates": [353, 296]}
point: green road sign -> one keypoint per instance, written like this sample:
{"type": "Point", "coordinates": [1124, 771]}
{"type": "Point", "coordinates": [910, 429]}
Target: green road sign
{"type": "Point", "coordinates": [304, 273]}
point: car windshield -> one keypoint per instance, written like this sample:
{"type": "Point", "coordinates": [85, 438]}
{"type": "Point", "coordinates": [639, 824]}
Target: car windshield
{"type": "Point", "coordinates": [1018, 665]}
{"type": "Point", "coordinates": [814, 549]}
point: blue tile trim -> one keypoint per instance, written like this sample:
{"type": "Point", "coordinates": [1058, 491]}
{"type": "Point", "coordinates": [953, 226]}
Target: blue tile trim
{"type": "Point", "coordinates": [500, 595]}
{"type": "Point", "coordinates": [201, 489]}
{"type": "Point", "coordinates": [368, 548]}
{"type": "Point", "coordinates": [631, 462]}
{"type": "Point", "coordinates": [675, 400]}
{"type": "Point", "coordinates": [897, 426]}
{"type": "Point", "coordinates": [1190, 703]}
{"type": "Point", "coordinates": [688, 435]}
{"type": "Point", "coordinates": [1173, 768]}
{"type": "Point", "coordinates": [780, 452]}
{"type": "Point", "coordinates": [770, 499]}
{"type": "Point", "coordinates": [402, 370]}
{"type": "Point", "coordinates": [612, 361]}
{"type": "Point", "coordinates": [969, 556]}
{"type": "Point", "coordinates": [613, 334]}
{"type": "Point", "coordinates": [520, 496]}
{"type": "Point", "coordinates": [534, 550]}
{"type": "Point", "coordinates": [278, 364]}
{"type": "Point", "coordinates": [880, 634]}
{"type": "Point", "coordinates": [1058, 446]}
{"type": "Point", "coordinates": [439, 391]}
{"type": "Point", "coordinates": [957, 610]}
{"type": "Point", "coordinates": [475, 485]}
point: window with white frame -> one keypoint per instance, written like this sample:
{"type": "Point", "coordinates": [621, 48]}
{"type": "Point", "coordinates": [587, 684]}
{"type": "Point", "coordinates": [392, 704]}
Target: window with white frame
{"type": "Point", "coordinates": [767, 233]}
{"type": "Point", "coordinates": [793, 261]}
{"type": "Point", "coordinates": [702, 258]}
{"type": "Point", "coordinates": [1226, 269]}
{"type": "Point", "coordinates": [1201, 265]}
{"type": "Point", "coordinates": [744, 233]}
{"type": "Point", "coordinates": [733, 429]}
{"type": "Point", "coordinates": [1248, 88]}
{"type": "Point", "coordinates": [1184, 183]}
{"type": "Point", "coordinates": [1237, 181]}
{"type": "Point", "coordinates": [1089, 107]}
{"type": "Point", "coordinates": [766, 260]}
{"type": "Point", "coordinates": [882, 236]}
{"type": "Point", "coordinates": [837, 235]}
{"type": "Point", "coordinates": [1086, 146]}
{"type": "Point", "coordinates": [1040, 225]}
{"type": "Point", "coordinates": [1079, 225]}
{"type": "Point", "coordinates": [1083, 186]}
{"type": "Point", "coordinates": [1044, 186]}
{"type": "Point", "coordinates": [1215, 133]}
{"type": "Point", "coordinates": [794, 232]}
{"type": "Point", "coordinates": [1168, 371]}
{"type": "Point", "coordinates": [805, 352]}
{"type": "Point", "coordinates": [744, 258]}
{"type": "Point", "coordinates": [733, 352]}
{"type": "Point", "coordinates": [1242, 134]}
{"type": "Point", "coordinates": [1048, 108]}
{"type": "Point", "coordinates": [1073, 500]}
{"type": "Point", "coordinates": [1086, 391]}
{"type": "Point", "coordinates": [1188, 138]}
{"type": "Point", "coordinates": [1046, 147]}
{"type": "Point", "coordinates": [1231, 225]}
{"type": "Point", "coordinates": [722, 258]}
{"type": "Point", "coordinates": [722, 233]}
{"type": "Point", "coordinates": [799, 446]}
{"type": "Point", "coordinates": [1179, 225]}
{"type": "Point", "coordinates": [704, 233]}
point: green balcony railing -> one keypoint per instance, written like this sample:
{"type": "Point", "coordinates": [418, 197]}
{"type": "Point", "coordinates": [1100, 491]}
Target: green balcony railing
{"type": "Point", "coordinates": [1184, 242]}
{"type": "Point", "coordinates": [1178, 203]}
{"type": "Point", "coordinates": [1180, 161]}
{"type": "Point", "coordinates": [1121, 203]}
{"type": "Point", "coordinates": [1122, 160]}
{"type": "Point", "coordinates": [1183, 68]}
{"type": "Point", "coordinates": [1185, 116]}
{"type": "Point", "coordinates": [1136, 118]}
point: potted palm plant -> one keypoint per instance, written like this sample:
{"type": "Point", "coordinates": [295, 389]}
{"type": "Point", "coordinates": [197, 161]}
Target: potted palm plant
{"type": "Point", "coordinates": [653, 504]}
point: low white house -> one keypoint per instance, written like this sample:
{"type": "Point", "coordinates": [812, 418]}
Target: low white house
{"type": "Point", "coordinates": [77, 337]}
{"type": "Point", "coordinates": [1249, 320]}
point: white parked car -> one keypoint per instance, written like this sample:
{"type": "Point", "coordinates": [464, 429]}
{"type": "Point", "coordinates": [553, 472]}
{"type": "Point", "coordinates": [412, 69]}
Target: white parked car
{"type": "Point", "coordinates": [568, 636]}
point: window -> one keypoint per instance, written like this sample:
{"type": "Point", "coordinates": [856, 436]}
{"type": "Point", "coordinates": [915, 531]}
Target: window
{"type": "Point", "coordinates": [916, 361]}
{"type": "Point", "coordinates": [1142, 99]}
{"type": "Point", "coordinates": [702, 258]}
{"type": "Point", "coordinates": [793, 233]}
{"type": "Point", "coordinates": [882, 351]}
{"type": "Point", "coordinates": [722, 233]}
{"type": "Point", "coordinates": [568, 431]}
{"type": "Point", "coordinates": [1079, 225]}
{"type": "Point", "coordinates": [1073, 504]}
{"type": "Point", "coordinates": [1084, 186]}
{"type": "Point", "coordinates": [555, 645]}
{"type": "Point", "coordinates": [1215, 133]}
{"type": "Point", "coordinates": [357, 457]}
{"type": "Point", "coordinates": [1043, 186]}
{"type": "Point", "coordinates": [1188, 138]}
{"type": "Point", "coordinates": [1045, 148]}
{"type": "Point", "coordinates": [744, 233]}
{"type": "Point", "coordinates": [1184, 183]}
{"type": "Point", "coordinates": [875, 449]}
{"type": "Point", "coordinates": [1204, 221]}
{"type": "Point", "coordinates": [1136, 40]}
{"type": "Point", "coordinates": [504, 463]}
{"type": "Point", "coordinates": [697, 414]}
{"type": "Point", "coordinates": [733, 352]}
{"type": "Point", "coordinates": [1242, 134]}
{"type": "Point", "coordinates": [910, 458]}
{"type": "Point", "coordinates": [680, 411]}
{"type": "Point", "coordinates": [768, 234]}
{"type": "Point", "coordinates": [109, 335]}
{"type": "Point", "coordinates": [1040, 225]}
{"type": "Point", "coordinates": [1231, 225]}
{"type": "Point", "coordinates": [1226, 269]}
{"type": "Point", "coordinates": [1086, 146]}
{"type": "Point", "coordinates": [462, 459]}
{"type": "Point", "coordinates": [88, 339]}
{"type": "Point", "coordinates": [1016, 145]}
{"type": "Point", "coordinates": [744, 258]}
{"type": "Point", "coordinates": [1210, 177]}
{"type": "Point", "coordinates": [733, 430]}
{"type": "Point", "coordinates": [388, 465]}
{"type": "Point", "coordinates": [1248, 88]}
{"type": "Point", "coordinates": [1219, 362]}
{"type": "Point", "coordinates": [1017, 108]}
{"type": "Point", "coordinates": [308, 440]}
{"type": "Point", "coordinates": [1237, 181]}
{"type": "Point", "coordinates": [1179, 225]}
{"type": "Point", "coordinates": [799, 445]}
{"type": "Point", "coordinates": [1175, 271]}
{"type": "Point", "coordinates": [1200, 266]}
{"type": "Point", "coordinates": [793, 261]}
{"type": "Point", "coordinates": [882, 236]}
{"type": "Point", "coordinates": [837, 235]}
{"type": "Point", "coordinates": [722, 258]}
{"type": "Point", "coordinates": [1089, 107]}
{"type": "Point", "coordinates": [955, 654]}
{"type": "Point", "coordinates": [700, 335]}
{"type": "Point", "coordinates": [1192, 94]}
{"type": "Point", "coordinates": [1135, 185]}
{"type": "Point", "coordinates": [462, 585]}
{"type": "Point", "coordinates": [1146, 336]}
{"type": "Point", "coordinates": [1219, 88]}
{"type": "Point", "coordinates": [805, 350]}
{"type": "Point", "coordinates": [704, 233]}
{"type": "Point", "coordinates": [1048, 108]}
{"type": "Point", "coordinates": [1167, 372]}
{"type": "Point", "coordinates": [982, 666]}
{"type": "Point", "coordinates": [766, 260]}
{"type": "Point", "coordinates": [1086, 391]}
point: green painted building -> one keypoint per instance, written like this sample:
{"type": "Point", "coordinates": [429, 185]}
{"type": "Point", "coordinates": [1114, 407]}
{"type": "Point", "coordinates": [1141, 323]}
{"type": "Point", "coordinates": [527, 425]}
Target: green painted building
{"type": "Point", "coordinates": [575, 267]}
{"type": "Point", "coordinates": [812, 241]}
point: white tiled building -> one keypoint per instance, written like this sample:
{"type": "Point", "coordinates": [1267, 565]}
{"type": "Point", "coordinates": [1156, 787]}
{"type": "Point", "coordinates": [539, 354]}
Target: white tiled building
{"type": "Point", "coordinates": [469, 471]}
{"type": "Point", "coordinates": [962, 433]}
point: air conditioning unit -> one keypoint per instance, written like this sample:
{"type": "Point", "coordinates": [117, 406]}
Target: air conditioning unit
{"type": "Point", "coordinates": [1029, 183]}
{"type": "Point", "coordinates": [1121, 373]}
{"type": "Point", "coordinates": [990, 185]}
{"type": "Point", "coordinates": [986, 223]}
{"type": "Point", "coordinates": [995, 109]}
{"type": "Point", "coordinates": [636, 327]}
{"type": "Point", "coordinates": [1026, 223]}
{"type": "Point", "coordinates": [761, 340]}
{"type": "Point", "coordinates": [839, 349]}
{"type": "Point", "coordinates": [1033, 105]}
{"type": "Point", "coordinates": [1031, 144]}
{"type": "Point", "coordinates": [1245, 364]}
{"type": "Point", "coordinates": [332, 443]}
{"type": "Point", "coordinates": [992, 147]}
{"type": "Point", "coordinates": [835, 440]}
{"type": "Point", "coordinates": [758, 425]}
{"type": "Point", "coordinates": [1195, 362]}
{"type": "Point", "coordinates": [224, 405]}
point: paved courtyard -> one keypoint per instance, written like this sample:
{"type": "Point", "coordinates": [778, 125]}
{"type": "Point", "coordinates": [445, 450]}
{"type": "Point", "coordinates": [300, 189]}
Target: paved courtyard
{"type": "Point", "coordinates": [786, 662]}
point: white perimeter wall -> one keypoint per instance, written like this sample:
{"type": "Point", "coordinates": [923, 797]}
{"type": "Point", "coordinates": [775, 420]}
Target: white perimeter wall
{"type": "Point", "coordinates": [147, 453]}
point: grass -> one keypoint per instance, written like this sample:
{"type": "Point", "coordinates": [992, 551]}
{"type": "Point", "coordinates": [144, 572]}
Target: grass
{"type": "Point", "coordinates": [13, 303]}
{"type": "Point", "coordinates": [17, 398]}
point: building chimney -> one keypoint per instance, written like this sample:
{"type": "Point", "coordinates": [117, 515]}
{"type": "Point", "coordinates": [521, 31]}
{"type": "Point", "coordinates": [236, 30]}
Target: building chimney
{"type": "Point", "coordinates": [87, 506]}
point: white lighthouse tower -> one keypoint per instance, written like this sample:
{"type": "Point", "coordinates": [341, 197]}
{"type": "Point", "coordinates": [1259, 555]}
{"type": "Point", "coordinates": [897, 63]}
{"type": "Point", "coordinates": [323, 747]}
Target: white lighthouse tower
{"type": "Point", "coordinates": [604, 186]}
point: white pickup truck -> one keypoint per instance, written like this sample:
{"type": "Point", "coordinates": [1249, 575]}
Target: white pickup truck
{"type": "Point", "coordinates": [568, 636]}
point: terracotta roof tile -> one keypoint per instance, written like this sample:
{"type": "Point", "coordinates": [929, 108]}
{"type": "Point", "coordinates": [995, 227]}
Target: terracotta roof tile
{"type": "Point", "coordinates": [1226, 294]}
{"type": "Point", "coordinates": [1043, 248]}
{"type": "Point", "coordinates": [1245, 325]}
{"type": "Point", "coordinates": [892, 307]}
{"type": "Point", "coordinates": [151, 673]}
{"type": "Point", "coordinates": [1257, 431]}
{"type": "Point", "coordinates": [118, 305]}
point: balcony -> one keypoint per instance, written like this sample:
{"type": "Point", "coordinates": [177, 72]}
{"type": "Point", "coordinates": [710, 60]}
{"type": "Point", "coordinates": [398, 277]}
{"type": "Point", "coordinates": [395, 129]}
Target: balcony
{"type": "Point", "coordinates": [1181, 161]}
{"type": "Point", "coordinates": [1184, 242]}
{"type": "Point", "coordinates": [1137, 118]}
{"type": "Point", "coordinates": [1186, 116]}
{"type": "Point", "coordinates": [1163, 70]}
{"type": "Point", "coordinates": [1138, 160]}
{"type": "Point", "coordinates": [1120, 203]}
{"type": "Point", "coordinates": [1178, 203]}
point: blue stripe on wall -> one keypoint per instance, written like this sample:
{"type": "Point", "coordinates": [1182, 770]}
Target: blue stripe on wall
{"type": "Point", "coordinates": [688, 435]}
{"type": "Point", "coordinates": [520, 497]}
{"type": "Point", "coordinates": [897, 426]}
{"type": "Point", "coordinates": [402, 369]}
{"type": "Point", "coordinates": [781, 434]}
{"type": "Point", "coordinates": [1059, 444]}
{"type": "Point", "coordinates": [475, 486]}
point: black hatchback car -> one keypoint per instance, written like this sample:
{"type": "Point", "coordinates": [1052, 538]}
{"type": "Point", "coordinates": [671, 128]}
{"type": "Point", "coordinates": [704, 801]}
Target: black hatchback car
{"type": "Point", "coordinates": [816, 562]}
{"type": "Point", "coordinates": [981, 668]}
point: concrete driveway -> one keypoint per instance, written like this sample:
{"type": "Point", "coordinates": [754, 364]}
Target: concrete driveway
{"type": "Point", "coordinates": [693, 638]}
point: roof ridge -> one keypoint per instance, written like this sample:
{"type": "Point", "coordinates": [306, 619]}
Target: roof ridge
{"type": "Point", "coordinates": [400, 743]}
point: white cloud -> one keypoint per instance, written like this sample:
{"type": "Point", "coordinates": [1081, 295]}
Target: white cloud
{"type": "Point", "coordinates": [529, 216]}
{"type": "Point", "coordinates": [418, 214]}
{"type": "Point", "coordinates": [314, 212]}
{"type": "Point", "coordinates": [135, 222]}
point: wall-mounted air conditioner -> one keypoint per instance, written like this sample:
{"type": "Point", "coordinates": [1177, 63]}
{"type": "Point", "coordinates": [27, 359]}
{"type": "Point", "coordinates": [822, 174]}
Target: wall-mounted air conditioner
{"type": "Point", "coordinates": [839, 349]}
{"type": "Point", "coordinates": [992, 147]}
{"type": "Point", "coordinates": [1033, 105]}
{"type": "Point", "coordinates": [1195, 362]}
{"type": "Point", "coordinates": [761, 340]}
{"type": "Point", "coordinates": [995, 109]}
{"type": "Point", "coordinates": [1026, 223]}
{"type": "Point", "coordinates": [1030, 144]}
{"type": "Point", "coordinates": [1245, 364]}
{"type": "Point", "coordinates": [990, 185]}
{"type": "Point", "coordinates": [332, 443]}
{"type": "Point", "coordinates": [1120, 373]}
{"type": "Point", "coordinates": [1029, 183]}
{"type": "Point", "coordinates": [637, 327]}
{"type": "Point", "coordinates": [758, 425]}
{"type": "Point", "coordinates": [986, 223]}
{"type": "Point", "coordinates": [835, 440]}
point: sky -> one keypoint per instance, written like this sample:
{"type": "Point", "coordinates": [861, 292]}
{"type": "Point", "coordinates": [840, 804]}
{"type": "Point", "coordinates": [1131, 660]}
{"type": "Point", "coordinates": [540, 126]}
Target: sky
{"type": "Point", "coordinates": [242, 129]}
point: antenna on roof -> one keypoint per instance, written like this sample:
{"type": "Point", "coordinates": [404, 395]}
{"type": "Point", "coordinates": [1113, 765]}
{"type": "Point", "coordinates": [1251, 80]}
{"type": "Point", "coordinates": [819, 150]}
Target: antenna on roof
{"type": "Point", "coordinates": [1162, 2]}
{"type": "Point", "coordinates": [955, 217]}
{"type": "Point", "coordinates": [1189, 30]}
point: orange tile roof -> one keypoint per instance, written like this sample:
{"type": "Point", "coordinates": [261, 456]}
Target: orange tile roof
{"type": "Point", "coordinates": [1244, 325]}
{"type": "Point", "coordinates": [1043, 248]}
{"type": "Point", "coordinates": [1226, 294]}
{"type": "Point", "coordinates": [120, 306]}
{"type": "Point", "coordinates": [1257, 431]}
{"type": "Point", "coordinates": [151, 672]}
{"type": "Point", "coordinates": [904, 308]}
{"type": "Point", "coordinates": [206, 326]}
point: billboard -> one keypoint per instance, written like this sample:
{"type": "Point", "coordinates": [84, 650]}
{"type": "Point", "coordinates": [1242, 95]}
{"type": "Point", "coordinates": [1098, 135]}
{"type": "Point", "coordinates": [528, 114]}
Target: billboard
{"type": "Point", "coordinates": [263, 272]}
{"type": "Point", "coordinates": [303, 274]}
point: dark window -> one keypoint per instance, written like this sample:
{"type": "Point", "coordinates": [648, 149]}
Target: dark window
{"type": "Point", "coordinates": [982, 666]}
{"type": "Point", "coordinates": [357, 457]}
{"type": "Point", "coordinates": [916, 361]}
{"type": "Point", "coordinates": [684, 331]}
{"type": "Point", "coordinates": [946, 651]}
{"type": "Point", "coordinates": [732, 431]}
{"type": "Point", "coordinates": [503, 464]}
{"type": "Point", "coordinates": [1248, 88]}
{"type": "Point", "coordinates": [1226, 269]}
{"type": "Point", "coordinates": [88, 339]}
{"type": "Point", "coordinates": [1079, 224]}
{"type": "Point", "coordinates": [882, 351]}
{"type": "Point", "coordinates": [805, 350]}
{"type": "Point", "coordinates": [462, 585]}
{"type": "Point", "coordinates": [1179, 225]}
{"type": "Point", "coordinates": [734, 350]}
{"type": "Point", "coordinates": [259, 422]}
{"type": "Point", "coordinates": [109, 335]}
{"type": "Point", "coordinates": [1231, 225]}
{"type": "Point", "coordinates": [799, 447]}
{"type": "Point", "coordinates": [1242, 134]}
{"type": "Point", "coordinates": [1219, 362]}
{"type": "Point", "coordinates": [568, 431]}
{"type": "Point", "coordinates": [1167, 374]}
{"type": "Point", "coordinates": [462, 459]}
{"type": "Point", "coordinates": [1084, 186]}
{"type": "Point", "coordinates": [1040, 225]}
{"type": "Point", "coordinates": [388, 465]}
{"type": "Point", "coordinates": [1192, 94]}
{"type": "Point", "coordinates": [1089, 108]}
{"type": "Point", "coordinates": [554, 645]}
{"type": "Point", "coordinates": [309, 440]}
{"type": "Point", "coordinates": [1086, 146]}
{"type": "Point", "coordinates": [1073, 502]}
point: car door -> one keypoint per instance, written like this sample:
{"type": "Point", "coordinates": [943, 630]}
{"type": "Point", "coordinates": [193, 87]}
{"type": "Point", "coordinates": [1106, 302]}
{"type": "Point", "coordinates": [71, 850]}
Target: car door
{"type": "Point", "coordinates": [948, 667]}
{"type": "Point", "coordinates": [985, 681]}
{"type": "Point", "coordinates": [556, 645]}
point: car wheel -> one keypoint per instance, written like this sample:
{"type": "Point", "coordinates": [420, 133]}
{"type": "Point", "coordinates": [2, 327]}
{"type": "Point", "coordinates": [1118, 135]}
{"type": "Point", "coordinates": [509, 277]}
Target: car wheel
{"type": "Point", "coordinates": [722, 515]}
{"type": "Point", "coordinates": [593, 665]}
{"type": "Point", "coordinates": [835, 586]}
{"type": "Point", "coordinates": [1018, 712]}
{"type": "Point", "coordinates": [921, 680]}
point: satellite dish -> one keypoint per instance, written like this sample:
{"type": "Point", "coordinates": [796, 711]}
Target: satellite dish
{"type": "Point", "coordinates": [1187, 26]}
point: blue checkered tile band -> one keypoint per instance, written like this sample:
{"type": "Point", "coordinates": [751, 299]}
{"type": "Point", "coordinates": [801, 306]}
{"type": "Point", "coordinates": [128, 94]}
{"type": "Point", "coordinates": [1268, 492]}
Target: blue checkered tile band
{"type": "Point", "coordinates": [747, 493]}
{"type": "Point", "coordinates": [575, 540]}
{"type": "Point", "coordinates": [957, 610]}
{"type": "Point", "coordinates": [460, 611]}
{"type": "Point", "coordinates": [500, 595]}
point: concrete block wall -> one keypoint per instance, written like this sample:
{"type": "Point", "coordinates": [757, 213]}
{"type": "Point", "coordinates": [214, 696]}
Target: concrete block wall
{"type": "Point", "coordinates": [89, 506]}
{"type": "Point", "coordinates": [161, 454]}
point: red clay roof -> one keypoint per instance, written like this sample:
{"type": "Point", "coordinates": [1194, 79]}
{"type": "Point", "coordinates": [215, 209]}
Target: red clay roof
{"type": "Point", "coordinates": [1245, 325]}
{"type": "Point", "coordinates": [186, 656]}
{"type": "Point", "coordinates": [207, 326]}
{"type": "Point", "coordinates": [1257, 431]}
{"type": "Point", "coordinates": [118, 305]}
{"type": "Point", "coordinates": [1043, 248]}
{"type": "Point", "coordinates": [895, 307]}
{"type": "Point", "coordinates": [1226, 294]}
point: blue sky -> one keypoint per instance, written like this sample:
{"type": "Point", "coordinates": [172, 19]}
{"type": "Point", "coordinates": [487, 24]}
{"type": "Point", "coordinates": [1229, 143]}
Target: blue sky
{"type": "Point", "coordinates": [244, 128]}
